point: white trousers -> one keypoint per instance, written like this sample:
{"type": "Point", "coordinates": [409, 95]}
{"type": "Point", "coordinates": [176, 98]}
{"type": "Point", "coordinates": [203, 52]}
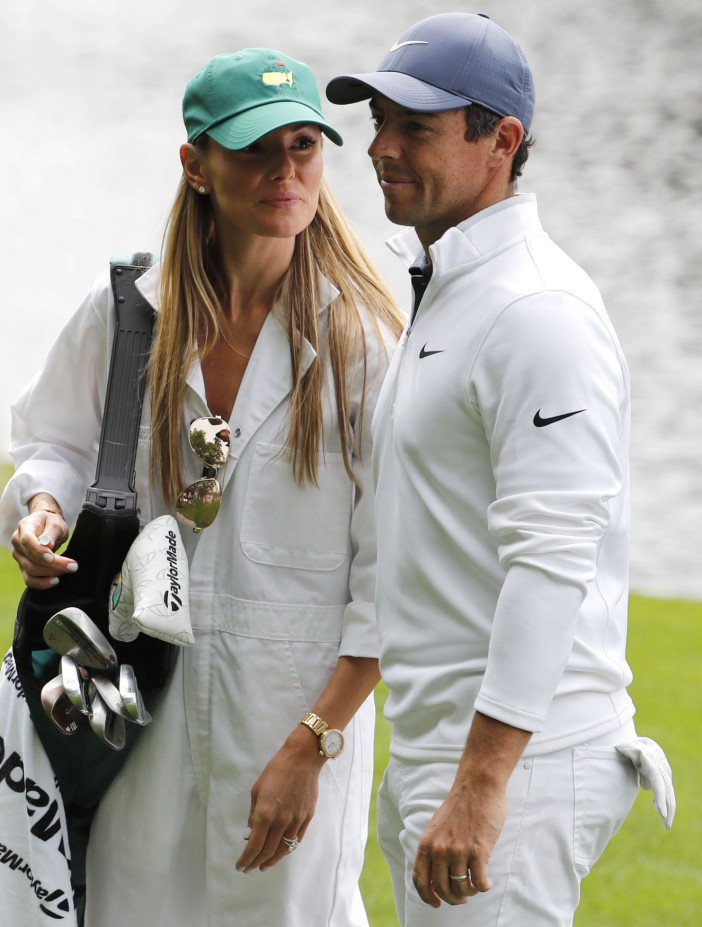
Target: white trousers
{"type": "Point", "coordinates": [166, 836]}
{"type": "Point", "coordinates": [562, 809]}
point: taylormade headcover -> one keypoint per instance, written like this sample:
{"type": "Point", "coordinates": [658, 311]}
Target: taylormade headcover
{"type": "Point", "coordinates": [151, 592]}
{"type": "Point", "coordinates": [655, 774]}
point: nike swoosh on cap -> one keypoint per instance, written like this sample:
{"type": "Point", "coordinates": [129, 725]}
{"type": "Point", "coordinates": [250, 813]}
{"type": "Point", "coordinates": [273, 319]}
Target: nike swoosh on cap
{"type": "Point", "coordinates": [410, 42]}
{"type": "Point", "coordinates": [540, 422]}
{"type": "Point", "coordinates": [425, 353]}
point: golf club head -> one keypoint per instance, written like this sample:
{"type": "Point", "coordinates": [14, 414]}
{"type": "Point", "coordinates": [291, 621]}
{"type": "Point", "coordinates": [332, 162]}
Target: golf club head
{"type": "Point", "coordinates": [131, 696]}
{"type": "Point", "coordinates": [73, 633]}
{"type": "Point", "coordinates": [75, 686]}
{"type": "Point", "coordinates": [59, 708]}
{"type": "Point", "coordinates": [109, 727]}
{"type": "Point", "coordinates": [110, 695]}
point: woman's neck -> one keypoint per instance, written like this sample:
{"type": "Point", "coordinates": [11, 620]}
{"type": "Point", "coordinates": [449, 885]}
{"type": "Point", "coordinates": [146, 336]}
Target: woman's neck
{"type": "Point", "coordinates": [254, 269]}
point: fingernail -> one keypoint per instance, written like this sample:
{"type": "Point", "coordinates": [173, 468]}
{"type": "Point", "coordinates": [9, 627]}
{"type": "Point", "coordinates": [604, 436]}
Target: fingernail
{"type": "Point", "coordinates": [44, 539]}
{"type": "Point", "coordinates": [47, 557]}
{"type": "Point", "coordinates": [72, 567]}
{"type": "Point", "coordinates": [54, 581]}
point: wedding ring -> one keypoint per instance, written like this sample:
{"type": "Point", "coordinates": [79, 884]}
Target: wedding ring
{"type": "Point", "coordinates": [292, 845]}
{"type": "Point", "coordinates": [461, 878]}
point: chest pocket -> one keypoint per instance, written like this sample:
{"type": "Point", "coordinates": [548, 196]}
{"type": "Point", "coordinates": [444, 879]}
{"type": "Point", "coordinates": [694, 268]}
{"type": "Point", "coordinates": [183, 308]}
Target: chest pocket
{"type": "Point", "coordinates": [304, 528]}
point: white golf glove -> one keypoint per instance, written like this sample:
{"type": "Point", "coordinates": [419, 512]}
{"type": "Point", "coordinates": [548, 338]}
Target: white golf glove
{"type": "Point", "coordinates": [151, 592]}
{"type": "Point", "coordinates": [655, 774]}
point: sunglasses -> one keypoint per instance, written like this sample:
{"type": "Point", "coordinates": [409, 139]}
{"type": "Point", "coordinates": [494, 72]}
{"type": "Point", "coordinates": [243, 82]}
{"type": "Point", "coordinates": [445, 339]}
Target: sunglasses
{"type": "Point", "coordinates": [198, 504]}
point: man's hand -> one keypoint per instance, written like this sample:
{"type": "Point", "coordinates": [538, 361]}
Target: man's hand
{"type": "Point", "coordinates": [458, 842]}
{"type": "Point", "coordinates": [460, 837]}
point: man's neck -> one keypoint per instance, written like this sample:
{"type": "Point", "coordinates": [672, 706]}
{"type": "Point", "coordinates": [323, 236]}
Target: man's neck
{"type": "Point", "coordinates": [429, 234]}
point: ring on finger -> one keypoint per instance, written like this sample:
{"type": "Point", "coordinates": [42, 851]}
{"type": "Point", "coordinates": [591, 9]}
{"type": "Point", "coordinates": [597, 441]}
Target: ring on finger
{"type": "Point", "coordinates": [292, 843]}
{"type": "Point", "coordinates": [458, 878]}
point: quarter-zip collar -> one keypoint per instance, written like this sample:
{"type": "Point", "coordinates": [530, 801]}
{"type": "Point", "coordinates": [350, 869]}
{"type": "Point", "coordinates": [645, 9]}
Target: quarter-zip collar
{"type": "Point", "coordinates": [475, 238]}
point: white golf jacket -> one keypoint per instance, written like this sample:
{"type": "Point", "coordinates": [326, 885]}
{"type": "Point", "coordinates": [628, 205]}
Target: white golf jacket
{"type": "Point", "coordinates": [502, 500]}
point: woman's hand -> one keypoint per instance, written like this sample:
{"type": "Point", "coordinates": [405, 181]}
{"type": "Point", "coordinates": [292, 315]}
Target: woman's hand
{"type": "Point", "coordinates": [283, 801]}
{"type": "Point", "coordinates": [34, 541]}
{"type": "Point", "coordinates": [284, 798]}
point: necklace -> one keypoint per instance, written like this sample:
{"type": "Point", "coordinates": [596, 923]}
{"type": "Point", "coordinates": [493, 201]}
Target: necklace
{"type": "Point", "coordinates": [228, 342]}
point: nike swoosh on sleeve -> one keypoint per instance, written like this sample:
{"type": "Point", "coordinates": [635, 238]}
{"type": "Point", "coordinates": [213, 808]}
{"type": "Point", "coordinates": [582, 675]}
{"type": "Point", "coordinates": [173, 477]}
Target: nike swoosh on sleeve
{"type": "Point", "coordinates": [541, 422]}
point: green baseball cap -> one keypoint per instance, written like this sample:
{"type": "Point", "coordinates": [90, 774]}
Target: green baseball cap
{"type": "Point", "coordinates": [237, 98]}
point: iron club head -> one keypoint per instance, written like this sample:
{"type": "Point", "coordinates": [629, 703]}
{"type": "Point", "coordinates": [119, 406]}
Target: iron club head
{"type": "Point", "coordinates": [72, 632]}
{"type": "Point", "coordinates": [108, 726]}
{"type": "Point", "coordinates": [110, 695]}
{"type": "Point", "coordinates": [74, 684]}
{"type": "Point", "coordinates": [131, 696]}
{"type": "Point", "coordinates": [59, 708]}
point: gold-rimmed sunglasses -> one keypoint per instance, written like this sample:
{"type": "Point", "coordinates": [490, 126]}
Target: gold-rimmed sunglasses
{"type": "Point", "coordinates": [198, 504]}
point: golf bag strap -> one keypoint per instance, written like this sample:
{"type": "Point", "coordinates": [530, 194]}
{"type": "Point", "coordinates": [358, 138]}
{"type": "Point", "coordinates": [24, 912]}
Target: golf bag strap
{"type": "Point", "coordinates": [114, 478]}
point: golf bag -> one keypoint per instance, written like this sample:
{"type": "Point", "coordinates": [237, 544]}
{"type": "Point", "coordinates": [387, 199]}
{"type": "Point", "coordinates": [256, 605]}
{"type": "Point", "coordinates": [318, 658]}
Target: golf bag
{"type": "Point", "coordinates": [105, 529]}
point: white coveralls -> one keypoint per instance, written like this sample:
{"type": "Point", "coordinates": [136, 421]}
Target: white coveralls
{"type": "Point", "coordinates": [502, 511]}
{"type": "Point", "coordinates": [281, 585]}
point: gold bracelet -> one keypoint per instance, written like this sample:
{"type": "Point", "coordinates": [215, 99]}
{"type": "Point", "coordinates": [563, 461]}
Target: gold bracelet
{"type": "Point", "coordinates": [33, 508]}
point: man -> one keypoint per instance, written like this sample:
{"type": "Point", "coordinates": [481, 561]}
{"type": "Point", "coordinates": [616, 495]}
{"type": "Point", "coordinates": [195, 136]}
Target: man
{"type": "Point", "coordinates": [501, 459]}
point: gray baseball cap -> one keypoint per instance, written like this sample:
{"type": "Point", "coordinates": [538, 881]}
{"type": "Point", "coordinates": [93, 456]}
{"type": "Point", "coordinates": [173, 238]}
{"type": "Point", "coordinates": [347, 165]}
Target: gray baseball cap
{"type": "Point", "coordinates": [446, 62]}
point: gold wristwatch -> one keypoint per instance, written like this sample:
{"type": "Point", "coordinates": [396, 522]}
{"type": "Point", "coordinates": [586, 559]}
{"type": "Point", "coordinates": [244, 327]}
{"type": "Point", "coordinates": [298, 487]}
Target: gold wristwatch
{"type": "Point", "coordinates": [331, 741]}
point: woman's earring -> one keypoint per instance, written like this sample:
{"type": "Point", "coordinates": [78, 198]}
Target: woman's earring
{"type": "Point", "coordinates": [201, 189]}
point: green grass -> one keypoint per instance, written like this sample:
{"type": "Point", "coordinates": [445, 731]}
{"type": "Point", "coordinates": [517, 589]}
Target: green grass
{"type": "Point", "coordinates": [648, 877]}
{"type": "Point", "coordinates": [11, 584]}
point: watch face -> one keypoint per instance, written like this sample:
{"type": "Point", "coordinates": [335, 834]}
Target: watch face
{"type": "Point", "coordinates": [332, 743]}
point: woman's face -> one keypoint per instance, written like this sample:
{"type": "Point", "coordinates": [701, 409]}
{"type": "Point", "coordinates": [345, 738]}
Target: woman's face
{"type": "Point", "coordinates": [271, 188]}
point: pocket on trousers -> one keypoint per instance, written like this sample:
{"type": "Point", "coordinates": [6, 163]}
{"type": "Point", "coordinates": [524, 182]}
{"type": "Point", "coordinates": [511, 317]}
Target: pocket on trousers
{"type": "Point", "coordinates": [606, 786]}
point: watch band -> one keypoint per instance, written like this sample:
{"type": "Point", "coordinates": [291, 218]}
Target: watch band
{"type": "Point", "coordinates": [314, 723]}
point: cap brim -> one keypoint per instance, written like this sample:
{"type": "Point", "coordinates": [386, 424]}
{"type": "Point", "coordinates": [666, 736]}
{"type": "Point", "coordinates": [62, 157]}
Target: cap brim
{"type": "Point", "coordinates": [402, 89]}
{"type": "Point", "coordinates": [244, 129]}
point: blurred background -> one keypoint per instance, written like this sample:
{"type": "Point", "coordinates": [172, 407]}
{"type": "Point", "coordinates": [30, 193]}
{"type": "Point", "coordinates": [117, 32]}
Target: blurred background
{"type": "Point", "coordinates": [90, 107]}
{"type": "Point", "coordinates": [90, 110]}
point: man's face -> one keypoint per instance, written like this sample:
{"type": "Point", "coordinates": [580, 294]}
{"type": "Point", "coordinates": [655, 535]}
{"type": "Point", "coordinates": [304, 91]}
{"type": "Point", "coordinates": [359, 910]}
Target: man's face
{"type": "Point", "coordinates": [432, 178]}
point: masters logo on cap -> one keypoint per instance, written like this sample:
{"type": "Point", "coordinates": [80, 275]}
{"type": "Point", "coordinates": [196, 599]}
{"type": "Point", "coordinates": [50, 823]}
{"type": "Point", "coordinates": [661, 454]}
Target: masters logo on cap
{"type": "Point", "coordinates": [276, 78]}
{"type": "Point", "coordinates": [237, 98]}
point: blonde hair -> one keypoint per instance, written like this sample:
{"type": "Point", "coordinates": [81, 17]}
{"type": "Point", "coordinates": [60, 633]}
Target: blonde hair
{"type": "Point", "coordinates": [192, 292]}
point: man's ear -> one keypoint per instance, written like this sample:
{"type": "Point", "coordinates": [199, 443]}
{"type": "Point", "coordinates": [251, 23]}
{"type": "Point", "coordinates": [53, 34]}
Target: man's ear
{"type": "Point", "coordinates": [507, 138]}
{"type": "Point", "coordinates": [193, 167]}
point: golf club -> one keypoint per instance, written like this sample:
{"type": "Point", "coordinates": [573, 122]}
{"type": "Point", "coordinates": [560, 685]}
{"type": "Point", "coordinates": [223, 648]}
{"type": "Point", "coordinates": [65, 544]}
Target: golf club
{"type": "Point", "coordinates": [59, 708]}
{"type": "Point", "coordinates": [72, 632]}
{"type": "Point", "coordinates": [110, 695]}
{"type": "Point", "coordinates": [75, 686]}
{"type": "Point", "coordinates": [131, 696]}
{"type": "Point", "coordinates": [108, 726]}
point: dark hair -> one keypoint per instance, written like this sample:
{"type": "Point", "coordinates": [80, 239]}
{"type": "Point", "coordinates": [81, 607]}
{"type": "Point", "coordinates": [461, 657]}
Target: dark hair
{"type": "Point", "coordinates": [481, 122]}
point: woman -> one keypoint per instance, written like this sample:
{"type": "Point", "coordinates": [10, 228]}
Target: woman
{"type": "Point", "coordinates": [270, 318]}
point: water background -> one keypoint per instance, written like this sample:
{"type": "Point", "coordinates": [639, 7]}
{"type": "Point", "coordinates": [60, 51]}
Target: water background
{"type": "Point", "coordinates": [90, 114]}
